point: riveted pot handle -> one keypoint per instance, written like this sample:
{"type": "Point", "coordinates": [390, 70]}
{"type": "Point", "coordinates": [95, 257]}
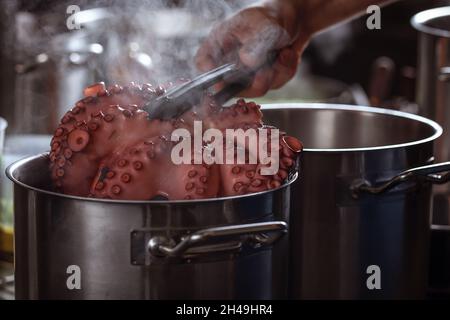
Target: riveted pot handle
{"type": "Point", "coordinates": [258, 234]}
{"type": "Point", "coordinates": [438, 173]}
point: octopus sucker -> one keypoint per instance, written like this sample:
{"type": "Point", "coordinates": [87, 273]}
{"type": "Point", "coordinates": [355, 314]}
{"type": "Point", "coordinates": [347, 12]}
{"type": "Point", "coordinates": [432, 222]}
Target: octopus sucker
{"type": "Point", "coordinates": [107, 147]}
{"type": "Point", "coordinates": [94, 89]}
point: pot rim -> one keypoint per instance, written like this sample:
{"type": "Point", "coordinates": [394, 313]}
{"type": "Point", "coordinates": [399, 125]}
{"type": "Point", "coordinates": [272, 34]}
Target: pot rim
{"type": "Point", "coordinates": [419, 20]}
{"type": "Point", "coordinates": [12, 167]}
{"type": "Point", "coordinates": [345, 107]}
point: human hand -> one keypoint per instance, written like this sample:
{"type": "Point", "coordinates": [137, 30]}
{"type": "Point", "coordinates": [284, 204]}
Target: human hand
{"type": "Point", "coordinates": [250, 36]}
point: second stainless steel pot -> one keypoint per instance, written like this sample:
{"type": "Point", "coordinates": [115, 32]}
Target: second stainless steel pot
{"type": "Point", "coordinates": [433, 81]}
{"type": "Point", "coordinates": [360, 215]}
{"type": "Point", "coordinates": [433, 96]}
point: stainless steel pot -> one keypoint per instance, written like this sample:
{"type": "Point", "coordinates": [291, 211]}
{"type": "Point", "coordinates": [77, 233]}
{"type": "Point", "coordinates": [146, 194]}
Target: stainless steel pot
{"type": "Point", "coordinates": [433, 97]}
{"type": "Point", "coordinates": [53, 65]}
{"type": "Point", "coordinates": [433, 81]}
{"type": "Point", "coordinates": [224, 248]}
{"type": "Point", "coordinates": [356, 204]}
{"type": "Point", "coordinates": [48, 83]}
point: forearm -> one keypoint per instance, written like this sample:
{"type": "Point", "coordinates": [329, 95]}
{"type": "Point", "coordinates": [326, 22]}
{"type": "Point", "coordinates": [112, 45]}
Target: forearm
{"type": "Point", "coordinates": [307, 17]}
{"type": "Point", "coordinates": [282, 26]}
{"type": "Point", "coordinates": [321, 14]}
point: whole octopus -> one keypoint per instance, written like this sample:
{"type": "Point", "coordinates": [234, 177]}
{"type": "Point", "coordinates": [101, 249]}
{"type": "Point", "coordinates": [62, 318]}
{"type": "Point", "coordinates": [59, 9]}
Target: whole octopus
{"type": "Point", "coordinates": [106, 146]}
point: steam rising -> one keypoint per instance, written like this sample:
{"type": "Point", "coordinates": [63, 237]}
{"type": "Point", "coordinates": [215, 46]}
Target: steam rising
{"type": "Point", "coordinates": [143, 41]}
{"type": "Point", "coordinates": [146, 40]}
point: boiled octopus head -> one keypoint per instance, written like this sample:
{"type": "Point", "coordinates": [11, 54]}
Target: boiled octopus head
{"type": "Point", "coordinates": [106, 146]}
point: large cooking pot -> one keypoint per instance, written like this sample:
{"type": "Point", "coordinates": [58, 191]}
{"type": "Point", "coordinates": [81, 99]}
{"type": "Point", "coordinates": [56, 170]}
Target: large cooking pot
{"type": "Point", "coordinates": [53, 65]}
{"type": "Point", "coordinates": [433, 96]}
{"type": "Point", "coordinates": [361, 208]}
{"type": "Point", "coordinates": [433, 81]}
{"type": "Point", "coordinates": [79, 248]}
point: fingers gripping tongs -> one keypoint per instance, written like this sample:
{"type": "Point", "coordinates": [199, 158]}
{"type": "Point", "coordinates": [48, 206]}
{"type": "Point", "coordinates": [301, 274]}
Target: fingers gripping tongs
{"type": "Point", "coordinates": [181, 98]}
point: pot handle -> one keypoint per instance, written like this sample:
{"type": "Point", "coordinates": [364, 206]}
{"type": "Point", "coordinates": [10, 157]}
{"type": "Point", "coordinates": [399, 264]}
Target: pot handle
{"type": "Point", "coordinates": [258, 234]}
{"type": "Point", "coordinates": [438, 173]}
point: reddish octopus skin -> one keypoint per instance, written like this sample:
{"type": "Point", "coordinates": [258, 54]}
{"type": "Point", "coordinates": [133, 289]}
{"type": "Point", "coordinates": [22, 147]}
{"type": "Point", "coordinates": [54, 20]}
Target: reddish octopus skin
{"type": "Point", "coordinates": [127, 175]}
{"type": "Point", "coordinates": [107, 147]}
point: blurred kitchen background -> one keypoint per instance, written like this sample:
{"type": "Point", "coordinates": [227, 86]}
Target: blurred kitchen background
{"type": "Point", "coordinates": [44, 67]}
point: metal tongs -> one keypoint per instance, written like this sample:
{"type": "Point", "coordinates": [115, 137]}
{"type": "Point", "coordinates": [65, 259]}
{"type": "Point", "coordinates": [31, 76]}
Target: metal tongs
{"type": "Point", "coordinates": [179, 99]}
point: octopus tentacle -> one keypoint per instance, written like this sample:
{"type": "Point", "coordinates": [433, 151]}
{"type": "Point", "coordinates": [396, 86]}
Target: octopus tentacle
{"type": "Point", "coordinates": [93, 129]}
{"type": "Point", "coordinates": [244, 178]}
{"type": "Point", "coordinates": [106, 146]}
{"type": "Point", "coordinates": [130, 173]}
{"type": "Point", "coordinates": [238, 115]}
